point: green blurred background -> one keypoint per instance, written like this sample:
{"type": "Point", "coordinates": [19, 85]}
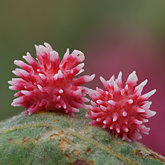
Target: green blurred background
{"type": "Point", "coordinates": [65, 24]}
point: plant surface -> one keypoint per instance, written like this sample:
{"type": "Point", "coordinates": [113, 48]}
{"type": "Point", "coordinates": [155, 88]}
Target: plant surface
{"type": "Point", "coordinates": [48, 138]}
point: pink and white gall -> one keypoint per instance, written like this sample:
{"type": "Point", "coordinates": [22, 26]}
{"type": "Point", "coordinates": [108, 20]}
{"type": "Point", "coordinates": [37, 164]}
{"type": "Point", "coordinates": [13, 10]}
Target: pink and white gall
{"type": "Point", "coordinates": [123, 111]}
{"type": "Point", "coordinates": [48, 84]}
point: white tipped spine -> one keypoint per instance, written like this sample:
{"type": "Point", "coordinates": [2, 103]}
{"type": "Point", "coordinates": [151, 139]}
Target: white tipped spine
{"type": "Point", "coordinates": [132, 77]}
{"type": "Point", "coordinates": [99, 101]}
{"type": "Point", "coordinates": [140, 87]}
{"type": "Point", "coordinates": [111, 102]}
{"type": "Point", "coordinates": [117, 129]}
{"type": "Point", "coordinates": [61, 91]}
{"type": "Point", "coordinates": [49, 48]}
{"type": "Point", "coordinates": [60, 74]}
{"type": "Point", "coordinates": [103, 108]}
{"type": "Point", "coordinates": [111, 81]}
{"type": "Point", "coordinates": [150, 113]}
{"type": "Point", "coordinates": [80, 66]}
{"type": "Point", "coordinates": [25, 92]}
{"type": "Point", "coordinates": [54, 56]}
{"type": "Point", "coordinates": [58, 98]}
{"type": "Point", "coordinates": [111, 127]}
{"type": "Point", "coordinates": [92, 77]}
{"type": "Point", "coordinates": [116, 88]}
{"type": "Point", "coordinates": [12, 88]}
{"type": "Point", "coordinates": [140, 110]}
{"type": "Point", "coordinates": [55, 76]}
{"type": "Point", "coordinates": [147, 105]}
{"type": "Point", "coordinates": [149, 94]}
{"type": "Point", "coordinates": [130, 101]}
{"type": "Point", "coordinates": [17, 102]}
{"type": "Point", "coordinates": [136, 121]}
{"type": "Point", "coordinates": [88, 78]}
{"type": "Point", "coordinates": [39, 87]}
{"type": "Point", "coordinates": [119, 78]}
{"type": "Point", "coordinates": [126, 130]}
{"type": "Point", "coordinates": [115, 117]}
{"type": "Point", "coordinates": [124, 113]}
{"type": "Point", "coordinates": [66, 54]}
{"type": "Point", "coordinates": [81, 71]}
{"type": "Point", "coordinates": [42, 76]}
{"type": "Point", "coordinates": [79, 54]}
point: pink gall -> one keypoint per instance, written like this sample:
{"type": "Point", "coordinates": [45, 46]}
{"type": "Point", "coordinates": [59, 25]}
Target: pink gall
{"type": "Point", "coordinates": [48, 84]}
{"type": "Point", "coordinates": [123, 111]}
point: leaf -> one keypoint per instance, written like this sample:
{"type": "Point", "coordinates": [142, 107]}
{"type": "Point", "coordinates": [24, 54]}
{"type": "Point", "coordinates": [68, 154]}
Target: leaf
{"type": "Point", "coordinates": [58, 139]}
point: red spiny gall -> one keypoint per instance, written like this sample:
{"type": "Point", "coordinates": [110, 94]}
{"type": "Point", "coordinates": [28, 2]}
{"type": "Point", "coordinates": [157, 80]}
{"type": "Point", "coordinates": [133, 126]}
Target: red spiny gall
{"type": "Point", "coordinates": [48, 84]}
{"type": "Point", "coordinates": [122, 110]}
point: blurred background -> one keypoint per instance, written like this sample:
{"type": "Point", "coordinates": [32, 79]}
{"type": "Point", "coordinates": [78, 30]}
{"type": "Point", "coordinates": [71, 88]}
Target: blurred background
{"type": "Point", "coordinates": [114, 35]}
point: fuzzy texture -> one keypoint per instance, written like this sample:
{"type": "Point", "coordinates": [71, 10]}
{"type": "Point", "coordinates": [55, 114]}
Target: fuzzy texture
{"type": "Point", "coordinates": [50, 84]}
{"type": "Point", "coordinates": [123, 111]}
{"type": "Point", "coordinates": [41, 140]}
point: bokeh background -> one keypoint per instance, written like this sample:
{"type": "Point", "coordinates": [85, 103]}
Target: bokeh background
{"type": "Point", "coordinates": [115, 36]}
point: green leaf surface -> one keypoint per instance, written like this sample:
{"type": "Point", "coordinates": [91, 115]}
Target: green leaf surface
{"type": "Point", "coordinates": [59, 139]}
